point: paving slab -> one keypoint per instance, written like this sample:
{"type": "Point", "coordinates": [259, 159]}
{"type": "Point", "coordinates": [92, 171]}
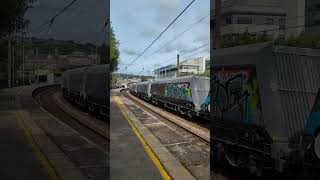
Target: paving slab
{"type": "Point", "coordinates": [18, 160]}
{"type": "Point", "coordinates": [129, 159]}
{"type": "Point", "coordinates": [26, 151]}
{"type": "Point", "coordinates": [171, 164]}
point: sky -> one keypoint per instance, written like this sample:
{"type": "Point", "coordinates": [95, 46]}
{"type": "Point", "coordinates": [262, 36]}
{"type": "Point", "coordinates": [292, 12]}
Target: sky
{"type": "Point", "coordinates": [82, 22]}
{"type": "Point", "coordinates": [137, 23]}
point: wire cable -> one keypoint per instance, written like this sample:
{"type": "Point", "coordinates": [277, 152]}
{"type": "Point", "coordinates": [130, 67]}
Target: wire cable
{"type": "Point", "coordinates": [52, 19]}
{"type": "Point", "coordinates": [161, 34]}
{"type": "Point", "coordinates": [186, 30]}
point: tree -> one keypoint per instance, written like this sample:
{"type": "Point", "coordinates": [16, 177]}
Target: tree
{"type": "Point", "coordinates": [11, 20]}
{"type": "Point", "coordinates": [114, 51]}
{"type": "Point", "coordinates": [12, 15]}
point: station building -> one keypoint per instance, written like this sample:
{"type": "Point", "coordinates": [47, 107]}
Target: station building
{"type": "Point", "coordinates": [195, 66]}
{"type": "Point", "coordinates": [49, 68]}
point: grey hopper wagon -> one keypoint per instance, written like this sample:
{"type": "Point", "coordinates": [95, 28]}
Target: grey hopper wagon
{"type": "Point", "coordinates": [133, 88]}
{"type": "Point", "coordinates": [262, 97]}
{"type": "Point", "coordinates": [88, 87]}
{"type": "Point", "coordinates": [183, 94]}
{"type": "Point", "coordinates": [96, 91]}
{"type": "Point", "coordinates": [143, 89]}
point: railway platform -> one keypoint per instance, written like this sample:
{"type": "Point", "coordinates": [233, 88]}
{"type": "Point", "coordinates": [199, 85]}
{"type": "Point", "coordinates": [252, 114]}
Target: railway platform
{"type": "Point", "coordinates": [136, 150]}
{"type": "Point", "coordinates": [27, 150]}
{"type": "Point", "coordinates": [129, 159]}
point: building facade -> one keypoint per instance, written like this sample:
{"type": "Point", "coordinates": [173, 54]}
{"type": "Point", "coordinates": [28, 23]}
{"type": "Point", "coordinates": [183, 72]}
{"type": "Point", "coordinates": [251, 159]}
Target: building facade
{"type": "Point", "coordinates": [36, 64]}
{"type": "Point", "coordinates": [166, 71]}
{"type": "Point", "coordinates": [253, 16]}
{"type": "Point", "coordinates": [275, 18]}
{"type": "Point", "coordinates": [195, 66]}
{"type": "Point", "coordinates": [312, 17]}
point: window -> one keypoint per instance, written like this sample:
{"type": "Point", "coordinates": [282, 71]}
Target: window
{"type": "Point", "coordinates": [207, 65]}
{"type": "Point", "coordinates": [244, 20]}
{"type": "Point", "coordinates": [229, 20]}
{"type": "Point", "coordinates": [282, 24]}
{"type": "Point", "coordinates": [269, 21]}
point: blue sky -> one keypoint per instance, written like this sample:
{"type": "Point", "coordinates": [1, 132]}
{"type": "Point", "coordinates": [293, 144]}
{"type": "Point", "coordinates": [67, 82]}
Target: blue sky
{"type": "Point", "coordinates": [137, 23]}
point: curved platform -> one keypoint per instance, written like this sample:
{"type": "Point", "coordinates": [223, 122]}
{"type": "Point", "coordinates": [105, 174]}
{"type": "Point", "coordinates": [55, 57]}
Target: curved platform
{"type": "Point", "coordinates": [27, 150]}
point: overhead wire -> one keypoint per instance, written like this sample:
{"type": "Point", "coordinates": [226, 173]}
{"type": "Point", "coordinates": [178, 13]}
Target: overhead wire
{"type": "Point", "coordinates": [186, 51]}
{"type": "Point", "coordinates": [183, 32]}
{"type": "Point", "coordinates": [160, 34]}
{"type": "Point", "coordinates": [52, 19]}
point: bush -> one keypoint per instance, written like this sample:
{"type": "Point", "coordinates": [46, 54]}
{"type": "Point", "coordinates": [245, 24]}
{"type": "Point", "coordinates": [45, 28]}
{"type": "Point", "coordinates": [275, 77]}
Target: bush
{"type": "Point", "coordinates": [233, 40]}
{"type": "Point", "coordinates": [302, 41]}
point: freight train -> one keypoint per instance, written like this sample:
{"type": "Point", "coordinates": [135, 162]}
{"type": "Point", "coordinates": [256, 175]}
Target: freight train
{"type": "Point", "coordinates": [265, 109]}
{"type": "Point", "coordinates": [186, 95]}
{"type": "Point", "coordinates": [88, 87]}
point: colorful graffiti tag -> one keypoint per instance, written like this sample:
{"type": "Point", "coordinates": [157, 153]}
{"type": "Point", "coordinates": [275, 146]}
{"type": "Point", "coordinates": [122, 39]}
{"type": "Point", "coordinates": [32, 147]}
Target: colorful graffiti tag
{"type": "Point", "coordinates": [313, 121]}
{"type": "Point", "coordinates": [235, 94]}
{"type": "Point", "coordinates": [179, 91]}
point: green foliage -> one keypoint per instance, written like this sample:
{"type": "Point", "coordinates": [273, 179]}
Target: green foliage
{"type": "Point", "coordinates": [12, 15]}
{"type": "Point", "coordinates": [205, 74]}
{"type": "Point", "coordinates": [12, 20]}
{"type": "Point", "coordinates": [114, 79]}
{"type": "Point", "coordinates": [144, 78]}
{"type": "Point", "coordinates": [181, 74]}
{"type": "Point", "coordinates": [117, 77]}
{"type": "Point", "coordinates": [48, 46]}
{"type": "Point", "coordinates": [114, 51]}
{"type": "Point", "coordinates": [103, 53]}
{"type": "Point", "coordinates": [233, 40]}
{"type": "Point", "coordinates": [302, 41]}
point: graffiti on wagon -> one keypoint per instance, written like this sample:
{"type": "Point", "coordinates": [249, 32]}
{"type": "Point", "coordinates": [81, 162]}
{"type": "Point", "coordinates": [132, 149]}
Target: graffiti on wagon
{"type": "Point", "coordinates": [179, 91]}
{"type": "Point", "coordinates": [236, 94]}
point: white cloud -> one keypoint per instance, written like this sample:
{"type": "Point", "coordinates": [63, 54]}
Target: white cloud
{"type": "Point", "coordinates": [130, 52]}
{"type": "Point", "coordinates": [175, 47]}
{"type": "Point", "coordinates": [165, 10]}
{"type": "Point", "coordinates": [202, 38]}
{"type": "Point", "coordinates": [127, 19]}
{"type": "Point", "coordinates": [148, 31]}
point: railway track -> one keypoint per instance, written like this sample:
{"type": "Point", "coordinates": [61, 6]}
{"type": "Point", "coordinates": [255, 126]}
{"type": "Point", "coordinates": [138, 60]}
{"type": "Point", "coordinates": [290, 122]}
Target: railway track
{"type": "Point", "coordinates": [216, 172]}
{"type": "Point", "coordinates": [199, 129]}
{"type": "Point", "coordinates": [192, 150]}
{"type": "Point", "coordinates": [87, 148]}
{"type": "Point", "coordinates": [99, 126]}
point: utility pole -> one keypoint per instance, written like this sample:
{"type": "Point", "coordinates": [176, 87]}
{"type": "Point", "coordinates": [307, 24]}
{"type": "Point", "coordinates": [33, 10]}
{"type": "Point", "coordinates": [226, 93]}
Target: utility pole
{"type": "Point", "coordinates": [9, 61]}
{"type": "Point", "coordinates": [178, 65]}
{"type": "Point", "coordinates": [92, 57]}
{"type": "Point", "coordinates": [22, 58]}
{"type": "Point", "coordinates": [217, 24]}
{"type": "Point", "coordinates": [13, 69]}
{"type": "Point", "coordinates": [96, 58]}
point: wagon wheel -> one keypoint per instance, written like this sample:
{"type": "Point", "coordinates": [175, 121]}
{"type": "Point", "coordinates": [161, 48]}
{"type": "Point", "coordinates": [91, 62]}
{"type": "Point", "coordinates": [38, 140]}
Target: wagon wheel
{"type": "Point", "coordinates": [190, 114]}
{"type": "Point", "coordinates": [317, 145]}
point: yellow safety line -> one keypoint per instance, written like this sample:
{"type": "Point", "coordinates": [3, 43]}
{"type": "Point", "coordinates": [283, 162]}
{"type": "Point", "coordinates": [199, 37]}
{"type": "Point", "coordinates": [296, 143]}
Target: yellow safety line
{"type": "Point", "coordinates": [149, 151]}
{"type": "Point", "coordinates": [43, 159]}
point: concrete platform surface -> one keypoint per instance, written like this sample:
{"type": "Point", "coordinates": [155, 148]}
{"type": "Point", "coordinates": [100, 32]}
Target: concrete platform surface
{"type": "Point", "coordinates": [18, 160]}
{"type": "Point", "coordinates": [128, 158]}
{"type": "Point", "coordinates": [26, 151]}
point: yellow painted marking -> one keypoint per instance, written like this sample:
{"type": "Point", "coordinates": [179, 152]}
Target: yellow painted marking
{"type": "Point", "coordinates": [149, 151]}
{"type": "Point", "coordinates": [43, 159]}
